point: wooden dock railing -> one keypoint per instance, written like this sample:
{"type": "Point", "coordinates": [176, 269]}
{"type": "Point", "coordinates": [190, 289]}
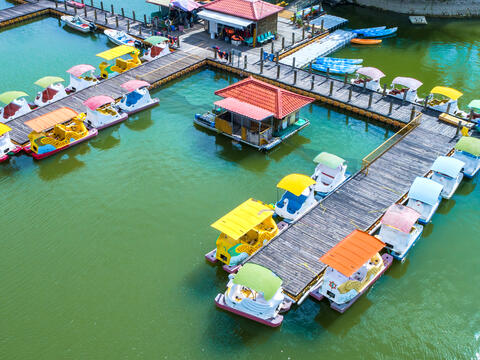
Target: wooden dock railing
{"type": "Point", "coordinates": [391, 141]}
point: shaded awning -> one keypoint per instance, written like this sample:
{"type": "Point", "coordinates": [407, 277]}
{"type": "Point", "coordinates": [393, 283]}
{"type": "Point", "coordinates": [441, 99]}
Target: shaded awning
{"type": "Point", "coordinates": [330, 160]}
{"type": "Point", "coordinates": [446, 91]}
{"type": "Point", "coordinates": [117, 52]}
{"type": "Point", "coordinates": [295, 183]}
{"type": "Point", "coordinates": [95, 102]}
{"type": "Point", "coordinates": [133, 85]}
{"type": "Point", "coordinates": [400, 217]}
{"type": "Point", "coordinates": [78, 70]}
{"type": "Point", "coordinates": [225, 19]}
{"type": "Point", "coordinates": [259, 279]}
{"type": "Point", "coordinates": [371, 72]}
{"type": "Point", "coordinates": [243, 218]}
{"type": "Point", "coordinates": [352, 252]}
{"type": "Point", "coordinates": [469, 144]}
{"type": "Point", "coordinates": [448, 166]}
{"type": "Point", "coordinates": [245, 109]}
{"type": "Point", "coordinates": [410, 83]}
{"type": "Point", "coordinates": [46, 121]}
{"type": "Point", "coordinates": [425, 190]}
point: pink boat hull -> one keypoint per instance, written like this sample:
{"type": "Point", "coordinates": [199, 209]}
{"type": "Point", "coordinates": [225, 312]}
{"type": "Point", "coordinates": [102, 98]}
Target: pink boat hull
{"type": "Point", "coordinates": [210, 256]}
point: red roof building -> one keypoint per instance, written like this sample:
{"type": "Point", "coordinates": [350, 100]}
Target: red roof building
{"type": "Point", "coordinates": [254, 10]}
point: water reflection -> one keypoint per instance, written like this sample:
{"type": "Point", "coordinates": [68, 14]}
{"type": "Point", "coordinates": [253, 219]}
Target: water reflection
{"type": "Point", "coordinates": [58, 166]}
{"type": "Point", "coordinates": [466, 187]}
{"type": "Point", "coordinates": [399, 269]}
{"type": "Point", "coordinates": [446, 206]}
{"type": "Point", "coordinates": [105, 140]}
{"type": "Point", "coordinates": [141, 121]}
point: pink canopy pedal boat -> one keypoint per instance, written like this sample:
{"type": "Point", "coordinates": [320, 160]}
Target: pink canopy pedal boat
{"type": "Point", "coordinates": [137, 97]}
{"type": "Point", "coordinates": [81, 77]}
{"type": "Point", "coordinates": [101, 113]}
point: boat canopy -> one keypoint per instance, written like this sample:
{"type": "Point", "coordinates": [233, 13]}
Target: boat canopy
{"type": "Point", "coordinates": [117, 52]}
{"type": "Point", "coordinates": [400, 217]}
{"type": "Point", "coordinates": [469, 144]}
{"type": "Point", "coordinates": [448, 165]}
{"type": "Point", "coordinates": [259, 279]}
{"type": "Point", "coordinates": [371, 72]}
{"type": "Point", "coordinates": [46, 81]}
{"type": "Point", "coordinates": [446, 91]}
{"type": "Point", "coordinates": [79, 70]}
{"type": "Point", "coordinates": [185, 5]}
{"type": "Point", "coordinates": [95, 102]}
{"type": "Point", "coordinates": [295, 183]}
{"type": "Point", "coordinates": [243, 218]}
{"type": "Point", "coordinates": [474, 105]}
{"type": "Point", "coordinates": [48, 120]}
{"type": "Point", "coordinates": [425, 190]}
{"type": "Point", "coordinates": [410, 83]}
{"type": "Point", "coordinates": [9, 96]}
{"type": "Point", "coordinates": [4, 129]}
{"type": "Point", "coordinates": [133, 85]}
{"type": "Point", "coordinates": [330, 160]}
{"type": "Point", "coordinates": [352, 252]}
{"type": "Point", "coordinates": [154, 40]}
{"type": "Point", "coordinates": [242, 108]}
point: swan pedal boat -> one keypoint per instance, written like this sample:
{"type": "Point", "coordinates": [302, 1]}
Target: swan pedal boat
{"type": "Point", "coordinates": [424, 197]}
{"type": "Point", "coordinates": [405, 88]}
{"type": "Point", "coordinates": [368, 77]}
{"type": "Point", "coordinates": [137, 98]}
{"type": "Point", "coordinates": [159, 47]}
{"type": "Point", "coordinates": [53, 90]}
{"type": "Point", "coordinates": [7, 147]}
{"type": "Point", "coordinates": [101, 113]}
{"type": "Point", "coordinates": [16, 105]}
{"type": "Point", "coordinates": [81, 77]}
{"type": "Point", "coordinates": [299, 197]}
{"type": "Point", "coordinates": [467, 150]}
{"type": "Point", "coordinates": [447, 171]}
{"type": "Point", "coordinates": [329, 174]}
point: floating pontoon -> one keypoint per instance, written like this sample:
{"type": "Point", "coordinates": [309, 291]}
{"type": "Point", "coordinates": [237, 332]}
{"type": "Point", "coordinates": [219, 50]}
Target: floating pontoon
{"type": "Point", "coordinates": [424, 197]}
{"type": "Point", "coordinates": [329, 174]}
{"type": "Point", "coordinates": [405, 88]}
{"type": "Point", "coordinates": [298, 197]}
{"type": "Point", "coordinates": [467, 150]}
{"type": "Point", "coordinates": [368, 77]}
{"type": "Point", "coordinates": [101, 113]}
{"type": "Point", "coordinates": [120, 65]}
{"type": "Point", "coordinates": [447, 171]}
{"type": "Point", "coordinates": [16, 105]}
{"type": "Point", "coordinates": [81, 77]}
{"type": "Point", "coordinates": [53, 90]}
{"type": "Point", "coordinates": [7, 148]}
{"type": "Point", "coordinates": [138, 97]}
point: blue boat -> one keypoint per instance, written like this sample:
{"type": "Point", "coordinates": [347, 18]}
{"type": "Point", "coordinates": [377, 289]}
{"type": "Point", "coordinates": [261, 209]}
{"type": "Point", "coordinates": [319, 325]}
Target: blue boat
{"type": "Point", "coordinates": [336, 68]}
{"type": "Point", "coordinates": [379, 33]}
{"type": "Point", "coordinates": [340, 61]}
{"type": "Point", "coordinates": [361, 31]}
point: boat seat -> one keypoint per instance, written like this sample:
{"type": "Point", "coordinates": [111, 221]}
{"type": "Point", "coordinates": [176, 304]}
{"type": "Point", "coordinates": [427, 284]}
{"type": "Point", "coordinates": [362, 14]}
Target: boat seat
{"type": "Point", "coordinates": [294, 202]}
{"type": "Point", "coordinates": [122, 64]}
{"type": "Point", "coordinates": [132, 98]}
{"type": "Point", "coordinates": [155, 51]}
{"type": "Point", "coordinates": [48, 94]}
{"type": "Point", "coordinates": [10, 110]}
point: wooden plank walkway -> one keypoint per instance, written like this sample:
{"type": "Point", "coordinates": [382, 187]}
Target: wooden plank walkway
{"type": "Point", "coordinates": [152, 72]}
{"type": "Point", "coordinates": [14, 12]}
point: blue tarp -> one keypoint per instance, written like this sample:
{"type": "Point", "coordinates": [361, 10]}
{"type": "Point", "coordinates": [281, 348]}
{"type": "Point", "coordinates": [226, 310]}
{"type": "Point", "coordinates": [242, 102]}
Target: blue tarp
{"type": "Point", "coordinates": [425, 190]}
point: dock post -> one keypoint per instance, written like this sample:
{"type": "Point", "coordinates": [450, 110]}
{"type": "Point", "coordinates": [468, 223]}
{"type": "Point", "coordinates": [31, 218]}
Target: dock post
{"type": "Point", "coordinates": [293, 63]}
{"type": "Point", "coordinates": [331, 88]}
{"type": "Point", "coordinates": [370, 99]}
{"type": "Point", "coordinates": [293, 37]}
{"type": "Point", "coordinates": [106, 20]}
{"type": "Point", "coordinates": [140, 32]}
{"type": "Point", "coordinates": [133, 13]}
{"type": "Point", "coordinates": [404, 97]}
{"type": "Point", "coordinates": [85, 11]}
{"type": "Point", "coordinates": [412, 114]}
{"type": "Point", "coordinates": [95, 14]}
{"type": "Point", "coordinates": [303, 14]}
{"type": "Point", "coordinates": [65, 4]}
{"type": "Point", "coordinates": [261, 54]}
{"type": "Point", "coordinates": [384, 90]}
{"type": "Point", "coordinates": [145, 19]}
{"type": "Point", "coordinates": [101, 5]}
{"type": "Point", "coordinates": [128, 25]}
{"type": "Point", "coordinates": [459, 125]}
{"type": "Point", "coordinates": [345, 80]}
{"type": "Point", "coordinates": [303, 32]}
{"type": "Point", "coordinates": [215, 53]}
{"type": "Point", "coordinates": [310, 67]}
{"type": "Point", "coordinates": [111, 8]}
{"type": "Point", "coordinates": [123, 12]}
{"type": "Point", "coordinates": [448, 108]}
{"type": "Point", "coordinates": [278, 72]}
{"type": "Point", "coordinates": [239, 58]}
{"type": "Point", "coordinates": [328, 72]}
{"type": "Point", "coordinates": [294, 76]}
{"type": "Point", "coordinates": [56, 4]}
{"type": "Point", "coordinates": [350, 93]}
{"type": "Point", "coordinates": [391, 107]}
{"type": "Point", "coordinates": [283, 42]}
{"type": "Point", "coordinates": [245, 62]}
{"type": "Point", "coordinates": [321, 28]}
{"type": "Point", "coordinates": [364, 85]}
{"type": "Point", "coordinates": [272, 48]}
{"type": "Point", "coordinates": [470, 116]}
{"type": "Point", "coordinates": [261, 66]}
{"type": "Point", "coordinates": [91, 3]}
{"type": "Point", "coordinates": [75, 10]}
{"type": "Point", "coordinates": [313, 30]}
{"type": "Point", "coordinates": [277, 55]}
{"type": "Point", "coordinates": [425, 102]}
{"type": "Point", "coordinates": [116, 21]}
{"type": "Point", "coordinates": [313, 82]}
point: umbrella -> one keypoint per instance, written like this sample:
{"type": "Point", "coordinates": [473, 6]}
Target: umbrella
{"type": "Point", "coordinates": [96, 101]}
{"type": "Point", "coordinates": [48, 80]}
{"type": "Point", "coordinates": [133, 85]}
{"type": "Point", "coordinates": [78, 70]}
{"type": "Point", "coordinates": [9, 96]}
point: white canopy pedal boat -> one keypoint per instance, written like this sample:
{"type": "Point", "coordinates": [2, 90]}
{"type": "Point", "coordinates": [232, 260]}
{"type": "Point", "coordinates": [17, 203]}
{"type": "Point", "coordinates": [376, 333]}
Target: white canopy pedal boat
{"type": "Point", "coordinates": [158, 49]}
{"type": "Point", "coordinates": [354, 265]}
{"type": "Point", "coordinates": [405, 88]}
{"type": "Point", "coordinates": [7, 147]}
{"type": "Point", "coordinates": [447, 102]}
{"type": "Point", "coordinates": [16, 105]}
{"type": "Point", "coordinates": [53, 90]}
{"type": "Point", "coordinates": [255, 293]}
{"type": "Point", "coordinates": [368, 77]}
{"type": "Point", "coordinates": [138, 97]}
{"type": "Point", "coordinates": [329, 174]}
{"type": "Point", "coordinates": [81, 77]}
{"type": "Point", "coordinates": [467, 150]}
{"type": "Point", "coordinates": [298, 197]}
{"type": "Point", "coordinates": [78, 23]}
{"type": "Point", "coordinates": [447, 171]}
{"type": "Point", "coordinates": [120, 37]}
{"type": "Point", "coordinates": [424, 197]}
{"type": "Point", "coordinates": [101, 113]}
{"type": "Point", "coordinates": [399, 230]}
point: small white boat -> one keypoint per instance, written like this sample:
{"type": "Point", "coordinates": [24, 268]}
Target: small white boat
{"type": "Point", "coordinates": [255, 293]}
{"type": "Point", "coordinates": [447, 102]}
{"type": "Point", "coordinates": [81, 77]}
{"type": "Point", "coordinates": [354, 264]}
{"type": "Point", "coordinates": [78, 23]}
{"type": "Point", "coordinates": [467, 150]}
{"type": "Point", "coordinates": [399, 230]}
{"type": "Point", "coordinates": [53, 90]}
{"type": "Point", "coordinates": [7, 148]}
{"type": "Point", "coordinates": [424, 197]}
{"type": "Point", "coordinates": [101, 113]}
{"type": "Point", "coordinates": [368, 77]}
{"type": "Point", "coordinates": [329, 174]}
{"type": "Point", "coordinates": [298, 197]}
{"type": "Point", "coordinates": [120, 37]}
{"type": "Point", "coordinates": [158, 49]}
{"type": "Point", "coordinates": [447, 171]}
{"type": "Point", "coordinates": [138, 97]}
{"type": "Point", "coordinates": [405, 88]}
{"type": "Point", "coordinates": [16, 105]}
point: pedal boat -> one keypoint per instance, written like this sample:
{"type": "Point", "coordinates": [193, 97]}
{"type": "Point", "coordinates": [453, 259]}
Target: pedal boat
{"type": "Point", "coordinates": [137, 97]}
{"type": "Point", "coordinates": [467, 150]}
{"type": "Point", "coordinates": [446, 102]}
{"type": "Point", "coordinates": [159, 47]}
{"type": "Point", "coordinates": [405, 88]}
{"type": "Point", "coordinates": [255, 293]}
{"type": "Point", "coordinates": [16, 105]}
{"type": "Point", "coordinates": [57, 131]}
{"type": "Point", "coordinates": [101, 112]}
{"type": "Point", "coordinates": [7, 147]}
{"type": "Point", "coordinates": [119, 37]}
{"type": "Point", "coordinates": [244, 230]}
{"type": "Point", "coordinates": [447, 171]}
{"type": "Point", "coordinates": [474, 107]}
{"type": "Point", "coordinates": [424, 197]}
{"type": "Point", "coordinates": [329, 174]}
{"type": "Point", "coordinates": [121, 65]}
{"type": "Point", "coordinates": [53, 90]}
{"type": "Point", "coordinates": [368, 77]}
{"type": "Point", "coordinates": [298, 197]}
{"type": "Point", "coordinates": [354, 264]}
{"type": "Point", "coordinates": [78, 23]}
{"type": "Point", "coordinates": [399, 230]}
{"type": "Point", "coordinates": [81, 77]}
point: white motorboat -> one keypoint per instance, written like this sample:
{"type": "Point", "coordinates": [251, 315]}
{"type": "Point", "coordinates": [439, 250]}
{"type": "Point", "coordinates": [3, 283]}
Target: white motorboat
{"type": "Point", "coordinates": [78, 23]}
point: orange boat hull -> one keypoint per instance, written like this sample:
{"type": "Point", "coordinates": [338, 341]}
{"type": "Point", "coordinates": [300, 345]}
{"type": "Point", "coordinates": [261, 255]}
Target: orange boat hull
{"type": "Point", "coordinates": [365, 41]}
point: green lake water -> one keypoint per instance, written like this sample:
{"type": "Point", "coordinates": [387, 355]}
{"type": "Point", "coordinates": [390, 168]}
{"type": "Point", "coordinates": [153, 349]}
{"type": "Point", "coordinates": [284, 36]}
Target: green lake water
{"type": "Point", "coordinates": [102, 246]}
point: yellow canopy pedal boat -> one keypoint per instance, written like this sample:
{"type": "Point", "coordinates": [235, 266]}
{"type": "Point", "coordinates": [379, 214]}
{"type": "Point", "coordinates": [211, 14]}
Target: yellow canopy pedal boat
{"type": "Point", "coordinates": [120, 65]}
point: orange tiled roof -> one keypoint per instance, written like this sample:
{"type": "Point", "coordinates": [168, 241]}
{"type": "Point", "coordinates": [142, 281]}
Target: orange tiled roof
{"type": "Point", "coordinates": [278, 101]}
{"type": "Point", "coordinates": [247, 9]}
{"type": "Point", "coordinates": [352, 252]}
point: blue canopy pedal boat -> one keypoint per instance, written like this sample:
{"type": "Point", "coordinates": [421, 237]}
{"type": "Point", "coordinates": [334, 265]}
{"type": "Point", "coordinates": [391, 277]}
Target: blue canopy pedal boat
{"type": "Point", "coordinates": [447, 171]}
{"type": "Point", "coordinates": [298, 197]}
{"type": "Point", "coordinates": [467, 150]}
{"type": "Point", "coordinates": [137, 97]}
{"type": "Point", "coordinates": [424, 197]}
